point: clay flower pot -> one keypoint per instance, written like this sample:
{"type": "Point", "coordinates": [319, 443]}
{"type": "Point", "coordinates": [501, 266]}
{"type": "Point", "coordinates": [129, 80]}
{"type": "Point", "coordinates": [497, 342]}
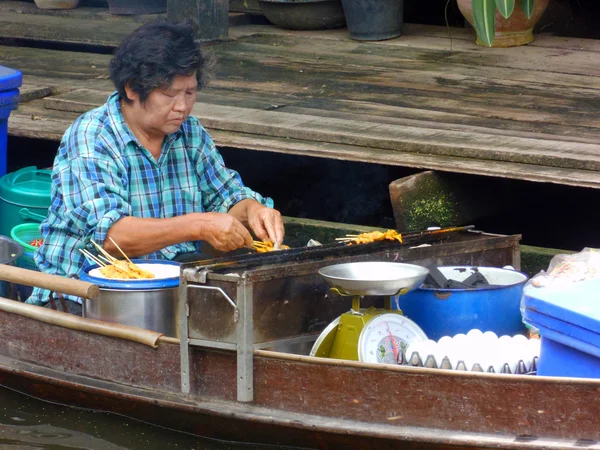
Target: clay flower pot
{"type": "Point", "coordinates": [516, 30]}
{"type": "Point", "coordinates": [56, 4]}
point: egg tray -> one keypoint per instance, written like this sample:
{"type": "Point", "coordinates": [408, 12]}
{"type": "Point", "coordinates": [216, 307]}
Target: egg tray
{"type": "Point", "coordinates": [430, 362]}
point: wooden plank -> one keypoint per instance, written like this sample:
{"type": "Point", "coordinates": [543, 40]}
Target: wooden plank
{"type": "Point", "coordinates": [29, 92]}
{"type": "Point", "coordinates": [537, 173]}
{"type": "Point", "coordinates": [209, 17]}
{"type": "Point", "coordinates": [50, 124]}
{"type": "Point", "coordinates": [81, 25]}
{"type": "Point", "coordinates": [433, 91]}
{"type": "Point", "coordinates": [61, 66]}
{"type": "Point", "coordinates": [384, 54]}
{"type": "Point", "coordinates": [467, 142]}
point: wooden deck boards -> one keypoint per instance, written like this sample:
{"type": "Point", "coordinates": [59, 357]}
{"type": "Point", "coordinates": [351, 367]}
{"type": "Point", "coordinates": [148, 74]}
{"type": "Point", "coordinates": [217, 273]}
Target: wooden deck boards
{"type": "Point", "coordinates": [422, 100]}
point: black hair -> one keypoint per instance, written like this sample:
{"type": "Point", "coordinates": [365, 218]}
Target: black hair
{"type": "Point", "coordinates": [153, 55]}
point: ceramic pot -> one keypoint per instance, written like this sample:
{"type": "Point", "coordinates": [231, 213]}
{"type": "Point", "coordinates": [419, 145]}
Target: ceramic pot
{"type": "Point", "coordinates": [516, 30]}
{"type": "Point", "coordinates": [56, 4]}
{"type": "Point", "coordinates": [374, 20]}
{"type": "Point", "coordinates": [304, 14]}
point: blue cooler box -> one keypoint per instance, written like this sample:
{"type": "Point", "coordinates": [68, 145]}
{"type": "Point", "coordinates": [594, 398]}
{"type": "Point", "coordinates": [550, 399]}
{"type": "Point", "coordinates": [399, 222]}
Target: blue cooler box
{"type": "Point", "coordinates": [569, 324]}
{"type": "Point", "coordinates": [10, 81]}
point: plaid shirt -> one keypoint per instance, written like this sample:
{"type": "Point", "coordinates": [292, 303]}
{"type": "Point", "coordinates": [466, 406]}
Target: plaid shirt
{"type": "Point", "coordinates": [102, 174]}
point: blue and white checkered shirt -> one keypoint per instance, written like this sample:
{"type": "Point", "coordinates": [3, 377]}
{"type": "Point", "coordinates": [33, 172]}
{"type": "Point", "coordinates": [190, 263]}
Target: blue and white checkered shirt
{"type": "Point", "coordinates": [101, 174]}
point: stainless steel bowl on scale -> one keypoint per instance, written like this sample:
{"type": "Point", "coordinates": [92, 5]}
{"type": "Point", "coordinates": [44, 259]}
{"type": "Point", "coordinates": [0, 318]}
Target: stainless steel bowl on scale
{"type": "Point", "coordinates": [376, 335]}
{"type": "Point", "coordinates": [374, 278]}
{"type": "Point", "coordinates": [151, 304]}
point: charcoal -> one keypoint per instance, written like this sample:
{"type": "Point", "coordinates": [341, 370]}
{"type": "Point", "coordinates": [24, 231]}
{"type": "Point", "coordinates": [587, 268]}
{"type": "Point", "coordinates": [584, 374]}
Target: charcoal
{"type": "Point", "coordinates": [435, 279]}
{"type": "Point", "coordinates": [453, 284]}
{"type": "Point", "coordinates": [476, 279]}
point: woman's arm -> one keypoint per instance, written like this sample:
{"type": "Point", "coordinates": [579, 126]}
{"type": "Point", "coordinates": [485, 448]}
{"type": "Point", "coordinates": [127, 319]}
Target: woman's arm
{"type": "Point", "coordinates": [137, 236]}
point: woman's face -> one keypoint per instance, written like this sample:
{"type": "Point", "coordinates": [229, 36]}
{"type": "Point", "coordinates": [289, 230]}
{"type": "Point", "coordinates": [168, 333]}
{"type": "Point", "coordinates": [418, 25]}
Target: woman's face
{"type": "Point", "coordinates": [165, 109]}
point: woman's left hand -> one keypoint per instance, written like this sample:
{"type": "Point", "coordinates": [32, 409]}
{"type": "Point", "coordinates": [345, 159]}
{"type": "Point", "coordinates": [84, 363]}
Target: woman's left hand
{"type": "Point", "coordinates": [266, 223]}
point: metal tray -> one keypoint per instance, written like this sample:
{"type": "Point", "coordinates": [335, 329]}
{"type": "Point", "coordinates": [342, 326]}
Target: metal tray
{"type": "Point", "coordinates": [374, 277]}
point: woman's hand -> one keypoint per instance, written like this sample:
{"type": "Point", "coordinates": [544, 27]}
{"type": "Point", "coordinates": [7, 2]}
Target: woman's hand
{"type": "Point", "coordinates": [223, 231]}
{"type": "Point", "coordinates": [266, 223]}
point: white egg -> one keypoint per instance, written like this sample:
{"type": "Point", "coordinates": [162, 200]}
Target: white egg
{"type": "Point", "coordinates": [427, 348]}
{"type": "Point", "coordinates": [474, 334]}
{"type": "Point", "coordinates": [444, 340]}
{"type": "Point", "coordinates": [534, 347]}
{"type": "Point", "coordinates": [418, 348]}
{"type": "Point", "coordinates": [521, 350]}
{"type": "Point", "coordinates": [469, 354]}
{"type": "Point", "coordinates": [488, 353]}
{"type": "Point", "coordinates": [506, 347]}
{"type": "Point", "coordinates": [489, 336]}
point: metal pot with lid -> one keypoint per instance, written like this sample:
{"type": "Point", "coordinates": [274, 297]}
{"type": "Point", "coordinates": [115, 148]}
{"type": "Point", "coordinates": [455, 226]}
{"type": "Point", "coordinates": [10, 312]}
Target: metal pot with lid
{"type": "Point", "coordinates": [150, 303]}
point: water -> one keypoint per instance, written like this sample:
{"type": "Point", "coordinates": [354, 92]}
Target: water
{"type": "Point", "coordinates": [30, 424]}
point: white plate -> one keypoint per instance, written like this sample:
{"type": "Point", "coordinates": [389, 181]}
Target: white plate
{"type": "Point", "coordinates": [375, 344]}
{"type": "Point", "coordinates": [160, 271]}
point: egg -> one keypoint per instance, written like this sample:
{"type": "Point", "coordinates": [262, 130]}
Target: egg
{"type": "Point", "coordinates": [507, 350]}
{"type": "Point", "coordinates": [475, 334]}
{"type": "Point", "coordinates": [521, 350]}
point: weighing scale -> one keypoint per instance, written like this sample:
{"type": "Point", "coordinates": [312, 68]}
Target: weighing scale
{"type": "Point", "coordinates": [375, 335]}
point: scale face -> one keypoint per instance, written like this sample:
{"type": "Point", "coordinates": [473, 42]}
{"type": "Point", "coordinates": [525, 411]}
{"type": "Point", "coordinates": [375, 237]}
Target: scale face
{"type": "Point", "coordinates": [385, 336]}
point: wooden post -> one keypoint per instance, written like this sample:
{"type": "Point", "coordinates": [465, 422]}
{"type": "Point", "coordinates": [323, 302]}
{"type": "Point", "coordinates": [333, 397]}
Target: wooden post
{"type": "Point", "coordinates": [209, 17]}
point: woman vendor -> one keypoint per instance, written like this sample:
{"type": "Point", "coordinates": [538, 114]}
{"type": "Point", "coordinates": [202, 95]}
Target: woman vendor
{"type": "Point", "coordinates": [142, 171]}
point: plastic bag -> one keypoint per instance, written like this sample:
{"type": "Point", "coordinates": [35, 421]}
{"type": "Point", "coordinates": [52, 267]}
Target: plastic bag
{"type": "Point", "coordinates": [566, 269]}
{"type": "Point", "coordinates": [563, 271]}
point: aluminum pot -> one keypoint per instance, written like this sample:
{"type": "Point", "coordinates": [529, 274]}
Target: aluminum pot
{"type": "Point", "coordinates": [150, 304]}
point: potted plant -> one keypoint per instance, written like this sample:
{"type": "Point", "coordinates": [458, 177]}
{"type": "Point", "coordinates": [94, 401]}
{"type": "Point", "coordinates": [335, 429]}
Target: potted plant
{"type": "Point", "coordinates": [503, 23]}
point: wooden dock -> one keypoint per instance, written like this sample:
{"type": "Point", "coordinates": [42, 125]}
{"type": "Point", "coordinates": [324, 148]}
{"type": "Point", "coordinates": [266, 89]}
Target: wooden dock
{"type": "Point", "coordinates": [430, 99]}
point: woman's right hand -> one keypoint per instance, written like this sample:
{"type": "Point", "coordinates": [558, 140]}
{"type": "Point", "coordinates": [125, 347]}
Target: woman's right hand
{"type": "Point", "coordinates": [223, 231]}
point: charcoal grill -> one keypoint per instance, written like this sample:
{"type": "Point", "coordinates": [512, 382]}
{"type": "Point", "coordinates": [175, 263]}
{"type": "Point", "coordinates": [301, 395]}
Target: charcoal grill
{"type": "Point", "coordinates": [279, 301]}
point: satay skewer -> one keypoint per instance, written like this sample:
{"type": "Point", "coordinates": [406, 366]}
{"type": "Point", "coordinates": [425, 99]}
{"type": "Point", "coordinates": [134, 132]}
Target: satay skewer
{"type": "Point", "coordinates": [119, 248]}
{"type": "Point", "coordinates": [104, 252]}
{"type": "Point", "coordinates": [92, 257]}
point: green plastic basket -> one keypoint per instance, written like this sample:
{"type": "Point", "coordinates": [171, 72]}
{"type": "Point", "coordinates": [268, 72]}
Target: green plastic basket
{"type": "Point", "coordinates": [24, 234]}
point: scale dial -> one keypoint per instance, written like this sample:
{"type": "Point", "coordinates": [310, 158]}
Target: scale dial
{"type": "Point", "coordinates": [386, 336]}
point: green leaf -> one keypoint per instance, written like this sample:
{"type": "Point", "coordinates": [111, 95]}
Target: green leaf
{"type": "Point", "coordinates": [506, 7]}
{"type": "Point", "coordinates": [484, 12]}
{"type": "Point", "coordinates": [527, 7]}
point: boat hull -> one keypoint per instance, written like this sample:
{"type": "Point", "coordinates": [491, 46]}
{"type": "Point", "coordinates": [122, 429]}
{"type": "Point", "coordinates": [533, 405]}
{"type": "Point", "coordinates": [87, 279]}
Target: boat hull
{"type": "Point", "coordinates": [299, 401]}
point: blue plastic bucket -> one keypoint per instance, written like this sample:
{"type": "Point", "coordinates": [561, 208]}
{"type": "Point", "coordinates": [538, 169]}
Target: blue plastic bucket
{"type": "Point", "coordinates": [447, 312]}
{"type": "Point", "coordinates": [10, 81]}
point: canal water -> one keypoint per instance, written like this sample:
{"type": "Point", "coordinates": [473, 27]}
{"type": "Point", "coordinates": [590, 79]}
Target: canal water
{"type": "Point", "coordinates": [30, 424]}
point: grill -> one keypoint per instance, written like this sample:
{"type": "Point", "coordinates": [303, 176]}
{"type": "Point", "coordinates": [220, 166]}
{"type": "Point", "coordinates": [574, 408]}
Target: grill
{"type": "Point", "coordinates": [278, 301]}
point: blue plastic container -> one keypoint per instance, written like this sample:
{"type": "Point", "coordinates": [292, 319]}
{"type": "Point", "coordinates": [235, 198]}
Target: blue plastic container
{"type": "Point", "coordinates": [447, 312]}
{"type": "Point", "coordinates": [10, 81]}
{"type": "Point", "coordinates": [569, 323]}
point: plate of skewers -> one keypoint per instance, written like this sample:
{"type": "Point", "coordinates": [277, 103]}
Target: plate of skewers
{"type": "Point", "coordinates": [107, 268]}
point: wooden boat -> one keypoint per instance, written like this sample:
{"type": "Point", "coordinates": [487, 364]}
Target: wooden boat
{"type": "Point", "coordinates": [282, 398]}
